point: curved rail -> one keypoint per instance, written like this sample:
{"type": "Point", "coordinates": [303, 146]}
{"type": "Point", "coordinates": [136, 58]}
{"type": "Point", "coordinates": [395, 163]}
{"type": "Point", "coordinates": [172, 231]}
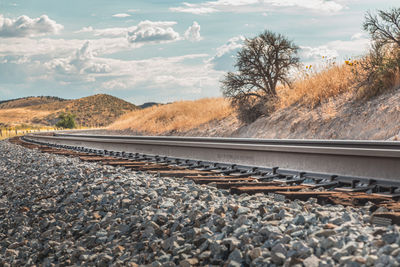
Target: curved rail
{"type": "Point", "coordinates": [366, 159]}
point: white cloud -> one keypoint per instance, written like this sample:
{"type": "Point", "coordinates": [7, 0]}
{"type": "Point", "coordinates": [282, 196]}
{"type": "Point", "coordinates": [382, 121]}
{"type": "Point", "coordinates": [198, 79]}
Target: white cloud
{"type": "Point", "coordinates": [112, 32]}
{"type": "Point", "coordinates": [145, 32]}
{"type": "Point", "coordinates": [55, 48]}
{"type": "Point", "coordinates": [84, 67]}
{"type": "Point", "coordinates": [316, 53]}
{"type": "Point", "coordinates": [78, 66]}
{"type": "Point", "coordinates": [153, 32]}
{"type": "Point", "coordinates": [339, 49]}
{"type": "Point", "coordinates": [169, 78]}
{"type": "Point", "coordinates": [107, 32]}
{"type": "Point", "coordinates": [196, 9]}
{"type": "Point", "coordinates": [224, 58]}
{"type": "Point", "coordinates": [98, 68]}
{"type": "Point", "coordinates": [85, 30]}
{"type": "Point", "coordinates": [121, 15]}
{"type": "Point", "coordinates": [193, 33]}
{"type": "Point", "coordinates": [257, 6]}
{"type": "Point", "coordinates": [13, 59]}
{"type": "Point", "coordinates": [24, 26]}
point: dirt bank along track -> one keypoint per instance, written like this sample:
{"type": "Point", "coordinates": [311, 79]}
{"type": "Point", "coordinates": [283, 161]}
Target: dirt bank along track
{"type": "Point", "coordinates": [239, 179]}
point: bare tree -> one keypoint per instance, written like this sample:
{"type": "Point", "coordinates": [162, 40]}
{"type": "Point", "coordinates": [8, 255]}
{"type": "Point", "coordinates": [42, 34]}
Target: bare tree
{"type": "Point", "coordinates": [262, 63]}
{"type": "Point", "coordinates": [384, 27]}
{"type": "Point", "coordinates": [379, 70]}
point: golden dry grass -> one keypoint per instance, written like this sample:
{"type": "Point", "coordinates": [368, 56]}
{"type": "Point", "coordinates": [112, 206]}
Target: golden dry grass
{"type": "Point", "coordinates": [312, 88]}
{"type": "Point", "coordinates": [16, 116]}
{"type": "Point", "coordinates": [178, 116]}
{"type": "Point", "coordinates": [97, 110]}
{"type": "Point", "coordinates": [316, 87]}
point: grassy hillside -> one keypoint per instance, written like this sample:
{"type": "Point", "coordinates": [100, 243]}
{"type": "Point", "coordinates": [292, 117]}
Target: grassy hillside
{"type": "Point", "coordinates": [318, 103]}
{"type": "Point", "coordinates": [97, 110]}
{"type": "Point", "coordinates": [175, 117]}
{"type": "Point", "coordinates": [29, 101]}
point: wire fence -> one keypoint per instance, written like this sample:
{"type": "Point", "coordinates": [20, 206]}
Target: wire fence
{"type": "Point", "coordinates": [7, 132]}
{"type": "Point", "coordinates": [11, 132]}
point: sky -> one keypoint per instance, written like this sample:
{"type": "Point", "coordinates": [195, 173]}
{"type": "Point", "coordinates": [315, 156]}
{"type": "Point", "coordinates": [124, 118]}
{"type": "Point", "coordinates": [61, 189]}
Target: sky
{"type": "Point", "coordinates": [160, 50]}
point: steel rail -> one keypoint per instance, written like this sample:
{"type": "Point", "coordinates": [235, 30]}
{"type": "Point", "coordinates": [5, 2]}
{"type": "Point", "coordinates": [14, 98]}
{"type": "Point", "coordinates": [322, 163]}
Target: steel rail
{"type": "Point", "coordinates": [297, 142]}
{"type": "Point", "coordinates": [379, 160]}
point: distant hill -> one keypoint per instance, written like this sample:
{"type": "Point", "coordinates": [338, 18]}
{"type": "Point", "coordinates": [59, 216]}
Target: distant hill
{"type": "Point", "coordinates": [149, 104]}
{"type": "Point", "coordinates": [29, 101]}
{"type": "Point", "coordinates": [97, 110]}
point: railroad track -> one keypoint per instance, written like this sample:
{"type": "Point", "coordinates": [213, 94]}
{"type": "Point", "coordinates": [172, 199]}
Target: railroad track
{"type": "Point", "coordinates": [337, 172]}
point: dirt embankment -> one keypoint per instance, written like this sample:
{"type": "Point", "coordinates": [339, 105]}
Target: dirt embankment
{"type": "Point", "coordinates": [341, 117]}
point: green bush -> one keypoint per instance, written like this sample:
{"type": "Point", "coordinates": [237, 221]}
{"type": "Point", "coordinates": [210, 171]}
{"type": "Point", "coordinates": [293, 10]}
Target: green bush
{"type": "Point", "coordinates": [66, 121]}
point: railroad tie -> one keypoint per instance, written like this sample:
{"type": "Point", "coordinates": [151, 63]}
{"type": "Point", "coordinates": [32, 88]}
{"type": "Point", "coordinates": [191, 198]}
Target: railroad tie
{"type": "Point", "coordinates": [239, 182]}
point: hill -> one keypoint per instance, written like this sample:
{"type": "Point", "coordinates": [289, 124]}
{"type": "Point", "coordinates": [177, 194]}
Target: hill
{"type": "Point", "coordinates": [29, 101]}
{"type": "Point", "coordinates": [97, 110]}
{"type": "Point", "coordinates": [148, 104]}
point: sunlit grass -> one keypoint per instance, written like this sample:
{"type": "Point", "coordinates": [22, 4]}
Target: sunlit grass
{"type": "Point", "coordinates": [8, 132]}
{"type": "Point", "coordinates": [178, 116]}
{"type": "Point", "coordinates": [313, 87]}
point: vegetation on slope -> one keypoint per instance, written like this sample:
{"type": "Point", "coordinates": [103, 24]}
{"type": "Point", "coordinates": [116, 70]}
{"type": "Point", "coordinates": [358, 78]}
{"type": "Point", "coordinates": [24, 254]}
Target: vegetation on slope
{"type": "Point", "coordinates": [97, 110]}
{"type": "Point", "coordinates": [265, 61]}
{"type": "Point", "coordinates": [29, 101]}
{"type": "Point", "coordinates": [175, 117]}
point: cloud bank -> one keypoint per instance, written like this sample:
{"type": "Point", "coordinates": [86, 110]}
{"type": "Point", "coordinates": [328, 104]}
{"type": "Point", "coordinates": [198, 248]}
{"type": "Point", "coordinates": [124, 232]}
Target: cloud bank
{"type": "Point", "coordinates": [24, 26]}
{"type": "Point", "coordinates": [240, 6]}
{"type": "Point", "coordinates": [153, 31]}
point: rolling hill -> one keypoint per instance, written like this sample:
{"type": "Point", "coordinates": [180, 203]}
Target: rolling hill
{"type": "Point", "coordinates": [97, 110]}
{"type": "Point", "coordinates": [29, 101]}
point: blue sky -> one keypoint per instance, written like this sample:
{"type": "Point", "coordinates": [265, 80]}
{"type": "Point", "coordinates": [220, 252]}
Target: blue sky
{"type": "Point", "coordinates": [159, 51]}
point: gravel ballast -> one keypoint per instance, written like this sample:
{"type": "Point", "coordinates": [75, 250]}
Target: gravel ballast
{"type": "Point", "coordinates": [59, 211]}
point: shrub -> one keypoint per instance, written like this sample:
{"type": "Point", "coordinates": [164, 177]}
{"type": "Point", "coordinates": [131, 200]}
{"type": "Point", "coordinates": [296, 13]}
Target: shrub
{"type": "Point", "coordinates": [66, 120]}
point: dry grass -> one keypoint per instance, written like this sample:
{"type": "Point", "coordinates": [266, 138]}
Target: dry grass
{"type": "Point", "coordinates": [93, 111]}
{"type": "Point", "coordinates": [311, 89]}
{"type": "Point", "coordinates": [316, 87]}
{"type": "Point", "coordinates": [176, 117]}
{"type": "Point", "coordinates": [16, 116]}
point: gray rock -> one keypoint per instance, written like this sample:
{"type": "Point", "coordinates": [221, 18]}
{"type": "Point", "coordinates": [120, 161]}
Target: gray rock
{"type": "Point", "coordinates": [328, 242]}
{"type": "Point", "coordinates": [205, 255]}
{"type": "Point", "coordinates": [234, 264]}
{"type": "Point", "coordinates": [57, 210]}
{"type": "Point", "coordinates": [189, 262]}
{"type": "Point", "coordinates": [242, 210]}
{"type": "Point", "coordinates": [235, 255]}
{"type": "Point", "coordinates": [255, 253]}
{"type": "Point", "coordinates": [371, 259]}
{"type": "Point", "coordinates": [302, 250]}
{"type": "Point", "coordinates": [231, 243]}
{"type": "Point", "coordinates": [325, 232]}
{"type": "Point", "coordinates": [299, 220]}
{"type": "Point", "coordinates": [311, 261]}
{"type": "Point", "coordinates": [278, 258]}
{"type": "Point", "coordinates": [279, 248]}
{"type": "Point", "coordinates": [390, 238]}
{"type": "Point", "coordinates": [395, 252]}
